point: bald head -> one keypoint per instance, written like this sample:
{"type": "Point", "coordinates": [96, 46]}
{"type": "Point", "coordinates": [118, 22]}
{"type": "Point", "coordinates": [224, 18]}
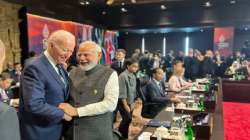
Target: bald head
{"type": "Point", "coordinates": [61, 45]}
{"type": "Point", "coordinates": [89, 54]}
{"type": "Point", "coordinates": [62, 36]}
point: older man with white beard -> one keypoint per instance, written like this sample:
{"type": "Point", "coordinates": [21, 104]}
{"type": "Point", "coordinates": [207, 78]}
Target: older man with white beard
{"type": "Point", "coordinates": [93, 96]}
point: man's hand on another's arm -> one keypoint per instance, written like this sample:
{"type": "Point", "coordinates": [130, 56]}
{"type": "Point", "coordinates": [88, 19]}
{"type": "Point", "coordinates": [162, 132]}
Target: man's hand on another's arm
{"type": "Point", "coordinates": [66, 117]}
{"type": "Point", "coordinates": [68, 109]}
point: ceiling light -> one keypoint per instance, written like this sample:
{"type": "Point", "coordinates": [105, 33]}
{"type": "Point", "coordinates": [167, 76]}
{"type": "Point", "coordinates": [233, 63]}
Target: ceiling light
{"type": "Point", "coordinates": [82, 2]}
{"type": "Point", "coordinates": [123, 4]}
{"type": "Point", "coordinates": [124, 9]}
{"type": "Point", "coordinates": [133, 1]}
{"type": "Point", "coordinates": [233, 1]}
{"type": "Point", "coordinates": [104, 13]}
{"type": "Point", "coordinates": [163, 7]}
{"type": "Point", "coordinates": [208, 4]}
{"type": "Point", "coordinates": [109, 2]}
{"type": "Point", "coordinates": [87, 2]}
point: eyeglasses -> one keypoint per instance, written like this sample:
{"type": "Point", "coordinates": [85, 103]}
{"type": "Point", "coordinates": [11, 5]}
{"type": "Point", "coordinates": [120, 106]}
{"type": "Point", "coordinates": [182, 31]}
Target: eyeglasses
{"type": "Point", "coordinates": [63, 50]}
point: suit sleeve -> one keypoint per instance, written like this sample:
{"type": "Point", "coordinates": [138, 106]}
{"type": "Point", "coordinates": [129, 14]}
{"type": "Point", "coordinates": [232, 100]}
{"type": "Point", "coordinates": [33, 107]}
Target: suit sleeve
{"type": "Point", "coordinates": [122, 87]}
{"type": "Point", "coordinates": [152, 94]}
{"type": "Point", "coordinates": [9, 123]}
{"type": "Point", "coordinates": [33, 93]}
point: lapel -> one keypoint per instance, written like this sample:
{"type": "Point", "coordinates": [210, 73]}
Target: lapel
{"type": "Point", "coordinates": [53, 73]}
{"type": "Point", "coordinates": [157, 88]}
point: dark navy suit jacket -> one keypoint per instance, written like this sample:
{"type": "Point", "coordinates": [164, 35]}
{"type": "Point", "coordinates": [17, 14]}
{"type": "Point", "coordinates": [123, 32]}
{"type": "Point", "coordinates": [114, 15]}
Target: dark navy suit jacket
{"type": "Point", "coordinates": [155, 94]}
{"type": "Point", "coordinates": [117, 68]}
{"type": "Point", "coordinates": [41, 92]}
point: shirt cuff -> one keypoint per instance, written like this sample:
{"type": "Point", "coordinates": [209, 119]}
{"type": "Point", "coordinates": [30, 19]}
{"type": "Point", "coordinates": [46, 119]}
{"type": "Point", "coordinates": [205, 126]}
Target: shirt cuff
{"type": "Point", "coordinates": [81, 112]}
{"type": "Point", "coordinates": [11, 102]}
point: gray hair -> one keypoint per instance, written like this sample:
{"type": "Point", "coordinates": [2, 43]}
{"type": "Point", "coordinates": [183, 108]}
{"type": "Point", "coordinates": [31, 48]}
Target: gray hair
{"type": "Point", "coordinates": [91, 43]}
{"type": "Point", "coordinates": [61, 36]}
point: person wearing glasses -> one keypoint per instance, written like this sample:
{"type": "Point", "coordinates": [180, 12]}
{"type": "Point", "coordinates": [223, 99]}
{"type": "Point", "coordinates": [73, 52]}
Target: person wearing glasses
{"type": "Point", "coordinates": [44, 85]}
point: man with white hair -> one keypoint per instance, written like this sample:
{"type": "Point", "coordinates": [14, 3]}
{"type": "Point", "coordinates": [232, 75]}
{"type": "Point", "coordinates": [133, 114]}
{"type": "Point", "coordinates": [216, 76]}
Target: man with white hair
{"type": "Point", "coordinates": [93, 96]}
{"type": "Point", "coordinates": [44, 85]}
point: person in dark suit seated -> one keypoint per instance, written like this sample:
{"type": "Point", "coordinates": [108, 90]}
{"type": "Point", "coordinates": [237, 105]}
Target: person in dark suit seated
{"type": "Point", "coordinates": [10, 69]}
{"type": "Point", "coordinates": [9, 124]}
{"type": "Point", "coordinates": [118, 64]}
{"type": "Point", "coordinates": [155, 90]}
{"type": "Point", "coordinates": [44, 85]}
{"type": "Point", "coordinates": [5, 95]}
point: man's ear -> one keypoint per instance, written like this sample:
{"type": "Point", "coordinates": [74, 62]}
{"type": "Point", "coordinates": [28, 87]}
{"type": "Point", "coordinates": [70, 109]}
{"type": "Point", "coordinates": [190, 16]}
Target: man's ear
{"type": "Point", "coordinates": [99, 56]}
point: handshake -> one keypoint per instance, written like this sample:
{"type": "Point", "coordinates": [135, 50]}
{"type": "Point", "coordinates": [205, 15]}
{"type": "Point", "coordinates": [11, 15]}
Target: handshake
{"type": "Point", "coordinates": [69, 111]}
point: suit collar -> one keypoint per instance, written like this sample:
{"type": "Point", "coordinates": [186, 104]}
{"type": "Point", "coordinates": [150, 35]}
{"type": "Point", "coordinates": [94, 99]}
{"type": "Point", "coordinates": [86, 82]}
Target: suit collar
{"type": "Point", "coordinates": [157, 86]}
{"type": "Point", "coordinates": [53, 72]}
{"type": "Point", "coordinates": [157, 82]}
{"type": "Point", "coordinates": [51, 60]}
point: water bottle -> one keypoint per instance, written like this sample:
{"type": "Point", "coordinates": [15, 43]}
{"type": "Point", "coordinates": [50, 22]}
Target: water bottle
{"type": "Point", "coordinates": [189, 130]}
{"type": "Point", "coordinates": [201, 103]}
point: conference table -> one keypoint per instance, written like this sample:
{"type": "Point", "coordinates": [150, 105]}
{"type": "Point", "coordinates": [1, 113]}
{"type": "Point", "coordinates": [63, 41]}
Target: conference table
{"type": "Point", "coordinates": [215, 122]}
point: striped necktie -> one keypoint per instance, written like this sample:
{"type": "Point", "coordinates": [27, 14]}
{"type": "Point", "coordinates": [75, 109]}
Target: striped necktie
{"type": "Point", "coordinates": [62, 74]}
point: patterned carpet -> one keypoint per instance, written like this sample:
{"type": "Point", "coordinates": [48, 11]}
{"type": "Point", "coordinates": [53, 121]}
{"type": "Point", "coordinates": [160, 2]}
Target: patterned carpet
{"type": "Point", "coordinates": [236, 121]}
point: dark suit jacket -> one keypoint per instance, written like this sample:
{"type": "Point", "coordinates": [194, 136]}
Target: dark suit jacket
{"type": "Point", "coordinates": [117, 68]}
{"type": "Point", "coordinates": [188, 69]}
{"type": "Point", "coordinates": [41, 92]}
{"type": "Point", "coordinates": [12, 72]}
{"type": "Point", "coordinates": [208, 66]}
{"type": "Point", "coordinates": [154, 94]}
{"type": "Point", "coordinates": [9, 125]}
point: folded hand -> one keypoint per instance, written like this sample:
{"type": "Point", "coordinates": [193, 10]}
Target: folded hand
{"type": "Point", "coordinates": [68, 109]}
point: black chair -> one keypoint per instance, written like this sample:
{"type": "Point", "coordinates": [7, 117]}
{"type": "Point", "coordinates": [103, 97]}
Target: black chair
{"type": "Point", "coordinates": [149, 109]}
{"type": "Point", "coordinates": [117, 135]}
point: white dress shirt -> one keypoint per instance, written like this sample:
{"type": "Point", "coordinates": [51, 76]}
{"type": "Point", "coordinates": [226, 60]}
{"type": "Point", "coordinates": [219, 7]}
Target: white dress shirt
{"type": "Point", "coordinates": [53, 63]}
{"type": "Point", "coordinates": [4, 97]}
{"type": "Point", "coordinates": [158, 84]}
{"type": "Point", "coordinates": [108, 104]}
